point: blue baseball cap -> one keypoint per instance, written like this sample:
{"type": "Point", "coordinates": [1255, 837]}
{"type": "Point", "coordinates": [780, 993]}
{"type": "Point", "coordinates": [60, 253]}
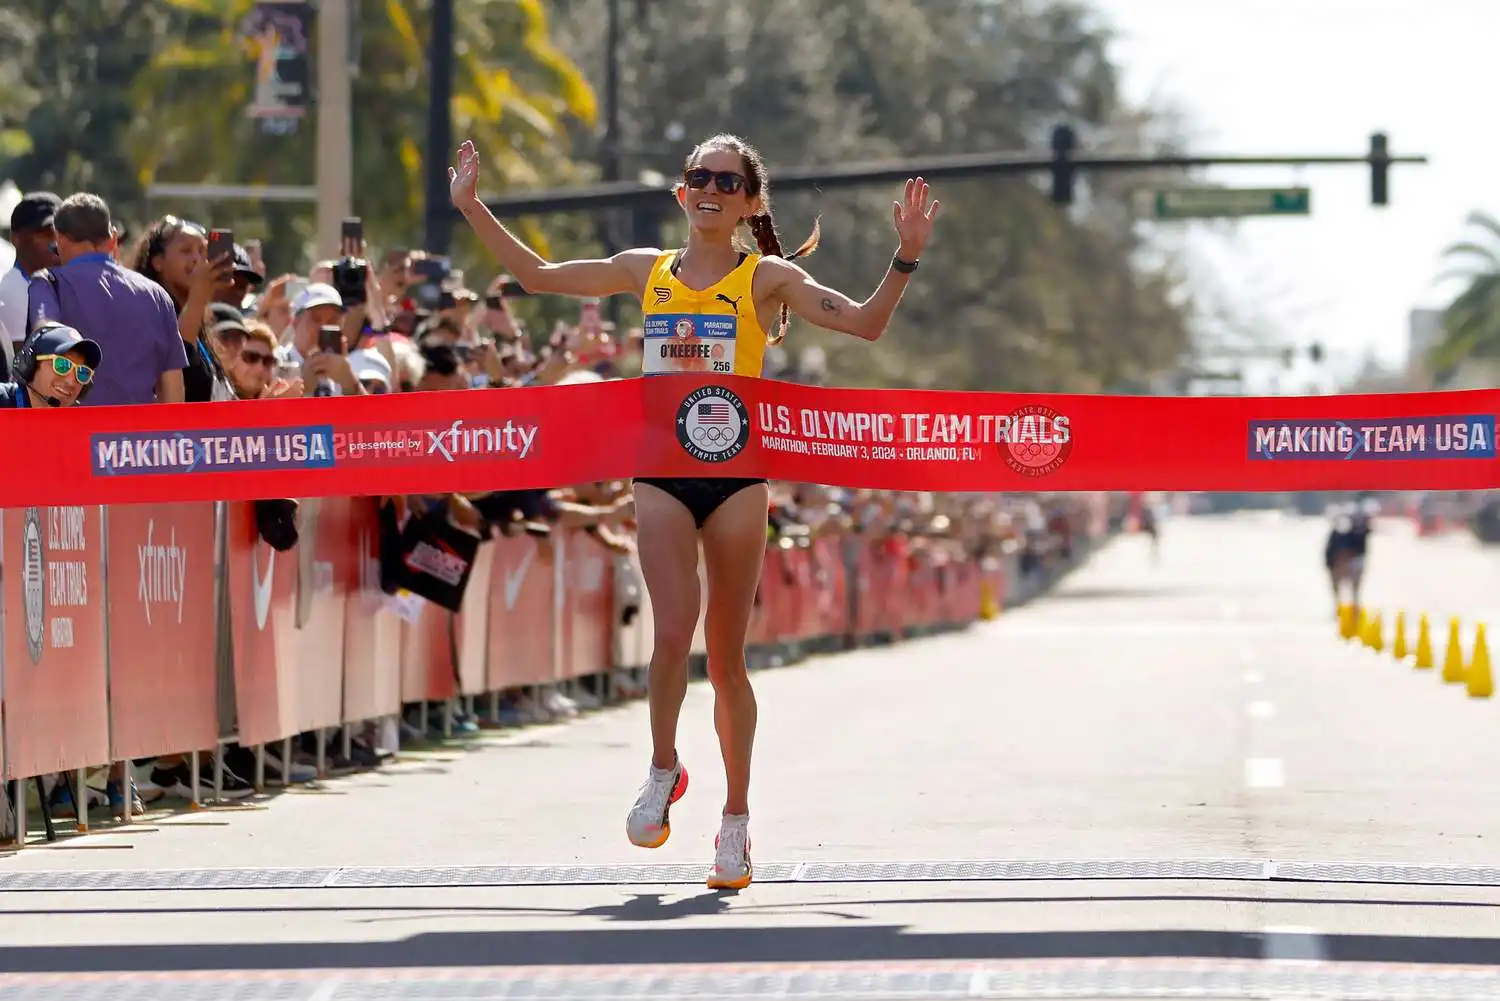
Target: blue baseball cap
{"type": "Point", "coordinates": [58, 339]}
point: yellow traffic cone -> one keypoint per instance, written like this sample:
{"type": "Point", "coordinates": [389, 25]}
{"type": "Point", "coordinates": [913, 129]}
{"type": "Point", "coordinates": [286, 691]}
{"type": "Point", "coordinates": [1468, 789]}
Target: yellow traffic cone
{"type": "Point", "coordinates": [1348, 620]}
{"type": "Point", "coordinates": [1424, 644]}
{"type": "Point", "coordinates": [1481, 683]}
{"type": "Point", "coordinates": [1453, 661]}
{"type": "Point", "coordinates": [989, 608]}
{"type": "Point", "coordinates": [1376, 640]}
{"type": "Point", "coordinates": [1398, 642]}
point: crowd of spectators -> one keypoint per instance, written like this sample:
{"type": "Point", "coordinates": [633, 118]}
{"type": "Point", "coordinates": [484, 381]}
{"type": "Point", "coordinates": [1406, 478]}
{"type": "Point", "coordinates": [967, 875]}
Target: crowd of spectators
{"type": "Point", "coordinates": [177, 324]}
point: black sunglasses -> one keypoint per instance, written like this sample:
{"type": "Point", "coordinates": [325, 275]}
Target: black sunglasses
{"type": "Point", "coordinates": [257, 358]}
{"type": "Point", "coordinates": [727, 181]}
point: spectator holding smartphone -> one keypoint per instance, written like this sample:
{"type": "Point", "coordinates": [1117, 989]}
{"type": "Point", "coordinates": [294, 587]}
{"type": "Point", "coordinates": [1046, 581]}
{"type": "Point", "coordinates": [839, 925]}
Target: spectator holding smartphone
{"type": "Point", "coordinates": [320, 343]}
{"type": "Point", "coordinates": [174, 254]}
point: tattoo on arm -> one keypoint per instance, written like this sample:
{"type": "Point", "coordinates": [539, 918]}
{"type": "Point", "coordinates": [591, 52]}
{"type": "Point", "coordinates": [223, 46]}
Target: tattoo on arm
{"type": "Point", "coordinates": [829, 306]}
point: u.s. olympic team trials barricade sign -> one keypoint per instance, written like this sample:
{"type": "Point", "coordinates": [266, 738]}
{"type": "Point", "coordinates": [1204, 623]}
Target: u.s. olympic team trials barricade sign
{"type": "Point", "coordinates": [695, 426]}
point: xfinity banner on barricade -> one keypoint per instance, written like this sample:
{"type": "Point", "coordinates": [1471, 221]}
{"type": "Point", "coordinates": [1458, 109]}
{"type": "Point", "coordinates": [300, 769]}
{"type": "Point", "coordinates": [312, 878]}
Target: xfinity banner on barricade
{"type": "Point", "coordinates": [692, 426]}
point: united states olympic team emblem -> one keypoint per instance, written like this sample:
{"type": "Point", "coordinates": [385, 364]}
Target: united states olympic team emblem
{"type": "Point", "coordinates": [33, 581]}
{"type": "Point", "coordinates": [713, 424]}
{"type": "Point", "coordinates": [1036, 446]}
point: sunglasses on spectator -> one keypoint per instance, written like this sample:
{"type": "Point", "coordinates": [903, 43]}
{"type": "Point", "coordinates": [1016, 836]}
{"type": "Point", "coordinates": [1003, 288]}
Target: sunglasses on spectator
{"type": "Point", "coordinates": [727, 181]}
{"type": "Point", "coordinates": [257, 358]}
{"type": "Point", "coordinates": [375, 387]}
{"type": "Point", "coordinates": [62, 365]}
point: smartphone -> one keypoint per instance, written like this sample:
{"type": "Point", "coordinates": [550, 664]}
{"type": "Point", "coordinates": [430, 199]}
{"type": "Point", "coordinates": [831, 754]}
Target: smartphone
{"type": "Point", "coordinates": [220, 242]}
{"type": "Point", "coordinates": [354, 230]}
{"type": "Point", "coordinates": [434, 269]}
{"type": "Point", "coordinates": [331, 340]}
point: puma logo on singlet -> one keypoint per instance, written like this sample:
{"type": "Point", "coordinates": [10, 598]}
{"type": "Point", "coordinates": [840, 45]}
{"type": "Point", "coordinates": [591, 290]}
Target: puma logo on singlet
{"type": "Point", "coordinates": [735, 303]}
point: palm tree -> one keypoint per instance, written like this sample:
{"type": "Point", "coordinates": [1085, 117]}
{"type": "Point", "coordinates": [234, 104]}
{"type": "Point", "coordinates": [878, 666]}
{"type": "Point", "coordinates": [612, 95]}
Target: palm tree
{"type": "Point", "coordinates": [514, 94]}
{"type": "Point", "coordinates": [1471, 322]}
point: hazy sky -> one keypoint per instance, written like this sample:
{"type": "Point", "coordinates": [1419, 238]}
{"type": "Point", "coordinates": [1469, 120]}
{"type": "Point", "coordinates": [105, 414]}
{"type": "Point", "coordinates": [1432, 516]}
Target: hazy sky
{"type": "Point", "coordinates": [1318, 76]}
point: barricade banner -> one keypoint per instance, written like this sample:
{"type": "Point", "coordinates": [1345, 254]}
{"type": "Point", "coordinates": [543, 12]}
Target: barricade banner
{"type": "Point", "coordinates": [427, 656]}
{"type": "Point", "coordinates": [372, 632]}
{"type": "Point", "coordinates": [915, 605]}
{"type": "Point", "coordinates": [160, 602]}
{"type": "Point", "coordinates": [767, 599]}
{"type": "Point", "coordinates": [828, 603]}
{"type": "Point", "coordinates": [55, 685]}
{"type": "Point", "coordinates": [472, 625]}
{"type": "Point", "coordinates": [325, 554]}
{"type": "Point", "coordinates": [521, 610]}
{"type": "Point", "coordinates": [588, 605]}
{"type": "Point", "coordinates": [685, 425]}
{"type": "Point", "coordinates": [796, 564]}
{"type": "Point", "coordinates": [262, 587]}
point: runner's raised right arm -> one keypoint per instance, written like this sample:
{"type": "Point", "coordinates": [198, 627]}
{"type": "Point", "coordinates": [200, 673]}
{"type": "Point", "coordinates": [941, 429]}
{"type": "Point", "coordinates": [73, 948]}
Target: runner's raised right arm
{"type": "Point", "coordinates": [626, 271]}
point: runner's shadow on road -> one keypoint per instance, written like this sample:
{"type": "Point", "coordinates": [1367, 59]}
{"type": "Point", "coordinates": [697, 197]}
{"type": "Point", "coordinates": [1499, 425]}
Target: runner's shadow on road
{"type": "Point", "coordinates": [631, 946]}
{"type": "Point", "coordinates": [654, 907]}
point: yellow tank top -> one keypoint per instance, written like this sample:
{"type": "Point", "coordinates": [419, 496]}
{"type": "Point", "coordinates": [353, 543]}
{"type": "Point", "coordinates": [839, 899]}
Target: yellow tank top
{"type": "Point", "coordinates": [714, 331]}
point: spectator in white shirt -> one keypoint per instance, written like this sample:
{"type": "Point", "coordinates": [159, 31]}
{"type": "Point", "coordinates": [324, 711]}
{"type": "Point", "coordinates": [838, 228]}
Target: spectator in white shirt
{"type": "Point", "coordinates": [33, 239]}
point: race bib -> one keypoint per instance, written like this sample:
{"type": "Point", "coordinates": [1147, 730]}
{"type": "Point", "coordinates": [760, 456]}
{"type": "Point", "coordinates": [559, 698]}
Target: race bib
{"type": "Point", "coordinates": [689, 342]}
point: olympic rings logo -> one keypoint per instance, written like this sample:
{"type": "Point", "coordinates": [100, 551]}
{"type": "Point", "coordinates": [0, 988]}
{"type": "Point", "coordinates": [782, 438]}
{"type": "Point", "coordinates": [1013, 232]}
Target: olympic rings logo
{"type": "Point", "coordinates": [714, 435]}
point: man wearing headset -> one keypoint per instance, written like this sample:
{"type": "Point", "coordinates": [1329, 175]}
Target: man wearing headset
{"type": "Point", "coordinates": [54, 368]}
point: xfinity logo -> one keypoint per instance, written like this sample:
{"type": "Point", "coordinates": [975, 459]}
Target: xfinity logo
{"type": "Point", "coordinates": [460, 441]}
{"type": "Point", "coordinates": [163, 571]}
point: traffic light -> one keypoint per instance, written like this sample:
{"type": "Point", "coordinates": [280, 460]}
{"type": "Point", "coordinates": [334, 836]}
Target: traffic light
{"type": "Point", "coordinates": [1380, 169]}
{"type": "Point", "coordinates": [1063, 141]}
{"type": "Point", "coordinates": [645, 226]}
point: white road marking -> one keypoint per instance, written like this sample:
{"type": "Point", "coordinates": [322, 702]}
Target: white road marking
{"type": "Point", "coordinates": [1261, 710]}
{"type": "Point", "coordinates": [1264, 773]}
{"type": "Point", "coordinates": [1293, 942]}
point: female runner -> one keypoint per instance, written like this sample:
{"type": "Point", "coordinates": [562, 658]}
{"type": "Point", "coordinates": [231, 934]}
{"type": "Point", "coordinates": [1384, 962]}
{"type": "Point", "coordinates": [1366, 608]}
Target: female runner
{"type": "Point", "coordinates": [743, 295]}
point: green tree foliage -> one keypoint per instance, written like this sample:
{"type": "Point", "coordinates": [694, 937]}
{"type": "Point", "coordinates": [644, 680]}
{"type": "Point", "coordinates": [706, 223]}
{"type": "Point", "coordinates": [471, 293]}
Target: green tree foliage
{"type": "Point", "coordinates": [65, 70]}
{"type": "Point", "coordinates": [513, 92]}
{"type": "Point", "coordinates": [1014, 293]}
{"type": "Point", "coordinates": [1471, 322]}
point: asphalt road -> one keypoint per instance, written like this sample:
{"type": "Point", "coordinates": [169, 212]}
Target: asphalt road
{"type": "Point", "coordinates": [1167, 779]}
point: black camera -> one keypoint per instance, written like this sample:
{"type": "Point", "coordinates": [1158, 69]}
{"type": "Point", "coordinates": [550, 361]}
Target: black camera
{"type": "Point", "coordinates": [429, 294]}
{"type": "Point", "coordinates": [350, 275]}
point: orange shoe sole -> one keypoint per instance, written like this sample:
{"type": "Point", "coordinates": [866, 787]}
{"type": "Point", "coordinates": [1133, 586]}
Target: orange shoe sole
{"type": "Point", "coordinates": [666, 824]}
{"type": "Point", "coordinates": [734, 884]}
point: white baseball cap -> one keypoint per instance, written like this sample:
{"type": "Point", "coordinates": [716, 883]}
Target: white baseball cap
{"type": "Point", "coordinates": [369, 364]}
{"type": "Point", "coordinates": [316, 294]}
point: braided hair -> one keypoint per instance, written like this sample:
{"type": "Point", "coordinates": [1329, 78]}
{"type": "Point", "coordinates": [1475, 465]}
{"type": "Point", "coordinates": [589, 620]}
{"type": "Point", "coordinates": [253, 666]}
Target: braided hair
{"type": "Point", "coordinates": [762, 225]}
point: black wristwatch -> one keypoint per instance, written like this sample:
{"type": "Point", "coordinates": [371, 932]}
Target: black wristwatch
{"type": "Point", "coordinates": [905, 267]}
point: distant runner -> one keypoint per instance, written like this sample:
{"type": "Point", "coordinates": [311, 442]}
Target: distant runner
{"type": "Point", "coordinates": [1344, 554]}
{"type": "Point", "coordinates": [1150, 526]}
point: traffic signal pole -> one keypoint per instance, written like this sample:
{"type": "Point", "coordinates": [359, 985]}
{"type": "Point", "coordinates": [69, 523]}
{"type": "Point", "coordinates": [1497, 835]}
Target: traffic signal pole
{"type": "Point", "coordinates": [1062, 165]}
{"type": "Point", "coordinates": [439, 206]}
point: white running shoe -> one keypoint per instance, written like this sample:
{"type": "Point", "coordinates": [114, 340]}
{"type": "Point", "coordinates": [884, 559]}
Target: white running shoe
{"type": "Point", "coordinates": [648, 825]}
{"type": "Point", "coordinates": [732, 869]}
